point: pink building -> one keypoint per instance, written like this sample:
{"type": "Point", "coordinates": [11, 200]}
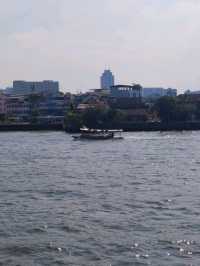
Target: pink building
{"type": "Point", "coordinates": [3, 104]}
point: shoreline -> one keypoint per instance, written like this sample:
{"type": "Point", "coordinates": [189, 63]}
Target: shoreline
{"type": "Point", "coordinates": [160, 126]}
{"type": "Point", "coordinates": [147, 126]}
{"type": "Point", "coordinates": [30, 127]}
{"type": "Point", "coordinates": [127, 127]}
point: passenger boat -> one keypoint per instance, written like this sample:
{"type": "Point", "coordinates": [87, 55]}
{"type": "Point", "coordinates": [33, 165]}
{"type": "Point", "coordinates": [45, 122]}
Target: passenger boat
{"type": "Point", "coordinates": [97, 134]}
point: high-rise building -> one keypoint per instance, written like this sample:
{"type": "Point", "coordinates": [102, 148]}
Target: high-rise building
{"type": "Point", "coordinates": [107, 79]}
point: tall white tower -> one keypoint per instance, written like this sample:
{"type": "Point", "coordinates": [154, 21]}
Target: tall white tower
{"type": "Point", "coordinates": [107, 79]}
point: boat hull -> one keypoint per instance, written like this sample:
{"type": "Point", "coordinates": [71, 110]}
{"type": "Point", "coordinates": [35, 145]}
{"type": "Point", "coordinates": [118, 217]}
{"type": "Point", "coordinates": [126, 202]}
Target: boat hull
{"type": "Point", "coordinates": [94, 137]}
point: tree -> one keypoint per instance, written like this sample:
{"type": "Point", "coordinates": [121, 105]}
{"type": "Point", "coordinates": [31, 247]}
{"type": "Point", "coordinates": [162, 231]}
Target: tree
{"type": "Point", "coordinates": [184, 112]}
{"type": "Point", "coordinates": [34, 100]}
{"type": "Point", "coordinates": [73, 121]}
{"type": "Point", "coordinates": [166, 108]}
{"type": "Point", "coordinates": [2, 117]}
{"type": "Point", "coordinates": [172, 109]}
{"type": "Point", "coordinates": [93, 118]}
{"type": "Point", "coordinates": [197, 111]}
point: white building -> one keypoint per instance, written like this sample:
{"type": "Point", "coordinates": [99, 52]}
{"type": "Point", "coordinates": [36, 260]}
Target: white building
{"type": "Point", "coordinates": [126, 91]}
{"type": "Point", "coordinates": [47, 87]}
{"type": "Point", "coordinates": [107, 79]}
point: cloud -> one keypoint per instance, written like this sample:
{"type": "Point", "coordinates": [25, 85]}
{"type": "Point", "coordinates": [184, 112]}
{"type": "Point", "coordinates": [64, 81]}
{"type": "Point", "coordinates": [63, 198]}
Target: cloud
{"type": "Point", "coordinates": [152, 42]}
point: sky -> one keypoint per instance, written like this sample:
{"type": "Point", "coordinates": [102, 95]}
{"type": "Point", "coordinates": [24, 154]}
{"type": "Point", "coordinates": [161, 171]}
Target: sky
{"type": "Point", "coordinates": [150, 42]}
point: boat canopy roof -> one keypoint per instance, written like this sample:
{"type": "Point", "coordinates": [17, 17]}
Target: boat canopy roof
{"type": "Point", "coordinates": [85, 129]}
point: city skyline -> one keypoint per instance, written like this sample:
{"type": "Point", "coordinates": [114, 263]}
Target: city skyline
{"type": "Point", "coordinates": [154, 43]}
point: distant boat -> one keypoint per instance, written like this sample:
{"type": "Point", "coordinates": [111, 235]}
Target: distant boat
{"type": "Point", "coordinates": [97, 134]}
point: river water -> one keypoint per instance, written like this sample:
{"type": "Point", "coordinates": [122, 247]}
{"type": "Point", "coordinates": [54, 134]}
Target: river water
{"type": "Point", "coordinates": [125, 202]}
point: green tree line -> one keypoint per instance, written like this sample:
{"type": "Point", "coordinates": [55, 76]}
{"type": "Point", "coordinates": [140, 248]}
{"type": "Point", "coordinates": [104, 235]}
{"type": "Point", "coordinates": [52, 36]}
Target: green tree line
{"type": "Point", "coordinates": [170, 109]}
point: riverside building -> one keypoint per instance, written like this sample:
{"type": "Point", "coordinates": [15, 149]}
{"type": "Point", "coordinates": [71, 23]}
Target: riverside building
{"type": "Point", "coordinates": [3, 106]}
{"type": "Point", "coordinates": [46, 108]}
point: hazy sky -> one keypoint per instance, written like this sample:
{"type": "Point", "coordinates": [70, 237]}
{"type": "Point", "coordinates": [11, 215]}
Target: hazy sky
{"type": "Point", "coordinates": [151, 42]}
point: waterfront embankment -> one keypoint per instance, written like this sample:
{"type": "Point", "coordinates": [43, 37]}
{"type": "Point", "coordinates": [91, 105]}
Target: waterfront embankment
{"type": "Point", "coordinates": [158, 126]}
{"type": "Point", "coordinates": [30, 127]}
{"type": "Point", "coordinates": [146, 126]}
{"type": "Point", "coordinates": [126, 126]}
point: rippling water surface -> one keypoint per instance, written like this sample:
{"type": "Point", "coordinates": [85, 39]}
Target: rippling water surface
{"type": "Point", "coordinates": [128, 202]}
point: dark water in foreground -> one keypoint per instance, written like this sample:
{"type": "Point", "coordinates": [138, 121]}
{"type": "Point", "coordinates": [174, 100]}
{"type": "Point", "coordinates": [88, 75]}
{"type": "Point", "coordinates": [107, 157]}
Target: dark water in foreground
{"type": "Point", "coordinates": [130, 202]}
